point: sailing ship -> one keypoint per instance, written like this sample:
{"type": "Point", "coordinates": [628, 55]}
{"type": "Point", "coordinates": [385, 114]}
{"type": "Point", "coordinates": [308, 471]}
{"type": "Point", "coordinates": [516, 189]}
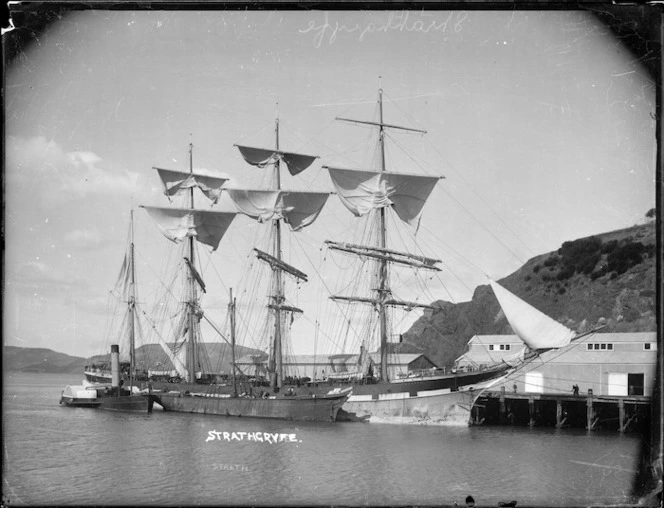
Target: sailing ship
{"type": "Point", "coordinates": [115, 388]}
{"type": "Point", "coordinates": [431, 397]}
{"type": "Point", "coordinates": [274, 206]}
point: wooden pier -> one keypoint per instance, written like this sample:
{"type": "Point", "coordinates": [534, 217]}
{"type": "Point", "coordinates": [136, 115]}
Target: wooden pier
{"type": "Point", "coordinates": [589, 411]}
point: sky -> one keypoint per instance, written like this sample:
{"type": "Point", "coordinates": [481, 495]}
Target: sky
{"type": "Point", "coordinates": [541, 122]}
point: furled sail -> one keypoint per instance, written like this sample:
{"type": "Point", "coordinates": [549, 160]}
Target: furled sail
{"type": "Point", "coordinates": [262, 157]}
{"type": "Point", "coordinates": [176, 224]}
{"type": "Point", "coordinates": [363, 191]}
{"type": "Point", "coordinates": [297, 208]}
{"type": "Point", "coordinates": [533, 327]}
{"type": "Point", "coordinates": [177, 181]}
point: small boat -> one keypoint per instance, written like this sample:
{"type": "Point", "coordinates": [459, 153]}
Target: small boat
{"type": "Point", "coordinates": [108, 396]}
{"type": "Point", "coordinates": [108, 389]}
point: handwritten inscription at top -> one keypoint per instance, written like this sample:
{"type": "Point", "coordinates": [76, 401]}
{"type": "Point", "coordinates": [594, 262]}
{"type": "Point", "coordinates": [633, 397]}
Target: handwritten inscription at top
{"type": "Point", "coordinates": [402, 21]}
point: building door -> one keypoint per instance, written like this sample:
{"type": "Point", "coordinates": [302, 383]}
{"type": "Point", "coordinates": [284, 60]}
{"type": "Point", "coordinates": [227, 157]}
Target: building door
{"type": "Point", "coordinates": [617, 383]}
{"type": "Point", "coordinates": [635, 384]}
{"type": "Point", "coordinates": [534, 382]}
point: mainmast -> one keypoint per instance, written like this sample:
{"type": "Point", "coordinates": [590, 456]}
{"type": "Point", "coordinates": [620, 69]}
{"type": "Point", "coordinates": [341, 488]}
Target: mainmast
{"type": "Point", "coordinates": [273, 206]}
{"type": "Point", "coordinates": [278, 290]}
{"type": "Point", "coordinates": [383, 288]}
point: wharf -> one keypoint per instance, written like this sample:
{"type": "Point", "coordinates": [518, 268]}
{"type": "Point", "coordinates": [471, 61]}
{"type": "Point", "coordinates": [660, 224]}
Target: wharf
{"type": "Point", "coordinates": [589, 411]}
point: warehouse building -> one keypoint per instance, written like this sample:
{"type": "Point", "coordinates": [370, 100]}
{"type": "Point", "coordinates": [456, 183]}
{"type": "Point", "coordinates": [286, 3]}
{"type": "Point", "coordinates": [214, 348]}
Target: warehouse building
{"type": "Point", "coordinates": [607, 363]}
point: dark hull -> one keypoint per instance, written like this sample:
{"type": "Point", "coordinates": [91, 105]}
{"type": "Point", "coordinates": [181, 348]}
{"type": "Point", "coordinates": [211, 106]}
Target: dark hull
{"type": "Point", "coordinates": [452, 382]}
{"type": "Point", "coordinates": [101, 398]}
{"type": "Point", "coordinates": [138, 403]}
{"type": "Point", "coordinates": [65, 401]}
{"type": "Point", "coordinates": [412, 386]}
{"type": "Point", "coordinates": [322, 408]}
{"type": "Point", "coordinates": [444, 400]}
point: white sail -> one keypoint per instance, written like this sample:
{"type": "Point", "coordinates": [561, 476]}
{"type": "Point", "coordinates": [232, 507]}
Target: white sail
{"type": "Point", "coordinates": [297, 208]}
{"type": "Point", "coordinates": [262, 157]}
{"type": "Point", "coordinates": [176, 224]}
{"type": "Point", "coordinates": [363, 191]}
{"type": "Point", "coordinates": [176, 182]}
{"type": "Point", "coordinates": [179, 361]}
{"type": "Point", "coordinates": [533, 327]}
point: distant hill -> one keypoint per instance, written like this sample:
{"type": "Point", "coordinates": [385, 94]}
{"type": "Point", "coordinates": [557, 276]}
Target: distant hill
{"type": "Point", "coordinates": [152, 355]}
{"type": "Point", "coordinates": [26, 359]}
{"type": "Point", "coordinates": [607, 279]}
{"type": "Point", "coordinates": [216, 357]}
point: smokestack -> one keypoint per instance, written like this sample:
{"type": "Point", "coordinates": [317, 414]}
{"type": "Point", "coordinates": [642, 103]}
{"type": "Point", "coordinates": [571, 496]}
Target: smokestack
{"type": "Point", "coordinates": [115, 366]}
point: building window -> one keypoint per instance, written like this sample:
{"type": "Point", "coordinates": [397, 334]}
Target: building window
{"type": "Point", "coordinates": [507, 347]}
{"type": "Point", "coordinates": [490, 347]}
{"type": "Point", "coordinates": [502, 347]}
{"type": "Point", "coordinates": [599, 346]}
{"type": "Point", "coordinates": [650, 346]}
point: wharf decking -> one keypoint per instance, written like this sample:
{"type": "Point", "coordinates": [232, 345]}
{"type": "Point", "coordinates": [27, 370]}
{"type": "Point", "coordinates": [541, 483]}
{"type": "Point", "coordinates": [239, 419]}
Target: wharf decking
{"type": "Point", "coordinates": [589, 411]}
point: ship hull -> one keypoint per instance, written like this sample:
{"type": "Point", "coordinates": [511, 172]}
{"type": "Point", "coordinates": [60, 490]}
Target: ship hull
{"type": "Point", "coordinates": [100, 397]}
{"type": "Point", "coordinates": [444, 399]}
{"type": "Point", "coordinates": [137, 403]}
{"type": "Point", "coordinates": [322, 408]}
{"type": "Point", "coordinates": [433, 407]}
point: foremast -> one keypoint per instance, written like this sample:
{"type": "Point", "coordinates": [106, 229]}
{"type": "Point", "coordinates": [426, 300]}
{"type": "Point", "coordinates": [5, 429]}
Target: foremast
{"type": "Point", "coordinates": [192, 303]}
{"type": "Point", "coordinates": [193, 225]}
{"type": "Point", "coordinates": [379, 190]}
{"type": "Point", "coordinates": [298, 209]}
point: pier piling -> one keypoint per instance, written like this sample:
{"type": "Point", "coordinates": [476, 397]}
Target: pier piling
{"type": "Point", "coordinates": [592, 412]}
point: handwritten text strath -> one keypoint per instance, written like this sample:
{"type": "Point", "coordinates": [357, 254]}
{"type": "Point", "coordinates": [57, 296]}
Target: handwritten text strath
{"type": "Point", "coordinates": [258, 437]}
{"type": "Point", "coordinates": [403, 21]}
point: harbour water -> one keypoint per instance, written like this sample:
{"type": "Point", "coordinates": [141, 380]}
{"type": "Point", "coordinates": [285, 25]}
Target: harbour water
{"type": "Point", "coordinates": [55, 455]}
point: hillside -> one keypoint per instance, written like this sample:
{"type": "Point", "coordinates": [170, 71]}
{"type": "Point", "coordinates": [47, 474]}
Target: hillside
{"type": "Point", "coordinates": [607, 279]}
{"type": "Point", "coordinates": [217, 356]}
{"type": "Point", "coordinates": [48, 361]}
{"type": "Point", "coordinates": [40, 360]}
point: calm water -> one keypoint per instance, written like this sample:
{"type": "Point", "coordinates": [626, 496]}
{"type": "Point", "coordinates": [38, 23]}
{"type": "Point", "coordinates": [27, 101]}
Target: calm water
{"type": "Point", "coordinates": [58, 455]}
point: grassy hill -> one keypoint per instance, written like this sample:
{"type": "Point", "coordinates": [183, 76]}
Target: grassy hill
{"type": "Point", "coordinates": [607, 279]}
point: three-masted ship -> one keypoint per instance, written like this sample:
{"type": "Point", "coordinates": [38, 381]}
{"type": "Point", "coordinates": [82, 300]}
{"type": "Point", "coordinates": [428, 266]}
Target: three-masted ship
{"type": "Point", "coordinates": [430, 397]}
{"type": "Point", "coordinates": [272, 206]}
